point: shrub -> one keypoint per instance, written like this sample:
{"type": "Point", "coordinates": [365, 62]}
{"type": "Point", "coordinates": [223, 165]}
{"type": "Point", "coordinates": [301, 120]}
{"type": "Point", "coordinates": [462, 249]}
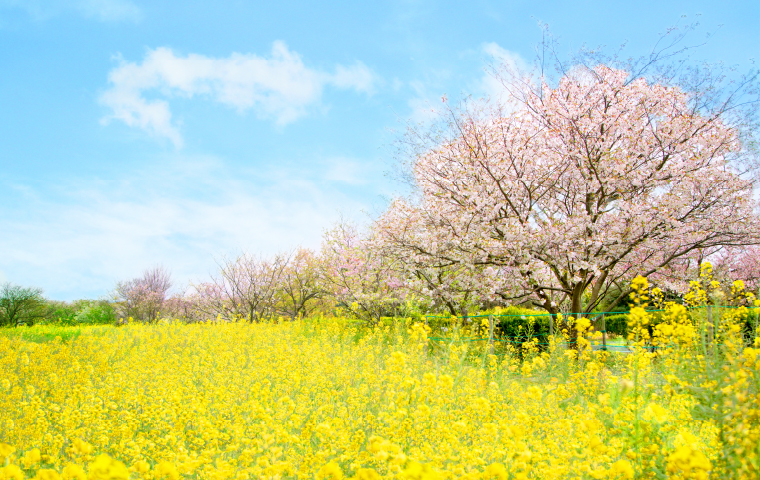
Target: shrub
{"type": "Point", "coordinates": [617, 324]}
{"type": "Point", "coordinates": [91, 312]}
{"type": "Point", "coordinates": [58, 312]}
{"type": "Point", "coordinates": [20, 305]}
{"type": "Point", "coordinates": [517, 325]}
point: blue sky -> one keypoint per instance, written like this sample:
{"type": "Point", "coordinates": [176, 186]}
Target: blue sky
{"type": "Point", "coordinates": [137, 133]}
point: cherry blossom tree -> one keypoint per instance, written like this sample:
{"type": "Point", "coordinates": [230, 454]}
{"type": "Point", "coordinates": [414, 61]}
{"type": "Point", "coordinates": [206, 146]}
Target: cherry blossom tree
{"type": "Point", "coordinates": [244, 289]}
{"type": "Point", "coordinates": [432, 270]}
{"type": "Point", "coordinates": [573, 189]}
{"type": "Point", "coordinates": [300, 284]}
{"type": "Point", "coordinates": [142, 298]}
{"type": "Point", "coordinates": [363, 280]}
{"type": "Point", "coordinates": [185, 306]}
{"type": "Point", "coordinates": [211, 300]}
{"type": "Point", "coordinates": [739, 264]}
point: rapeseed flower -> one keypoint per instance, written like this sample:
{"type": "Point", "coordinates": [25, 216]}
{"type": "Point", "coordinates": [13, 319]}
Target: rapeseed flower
{"type": "Point", "coordinates": [106, 468]}
{"type": "Point", "coordinates": [319, 399]}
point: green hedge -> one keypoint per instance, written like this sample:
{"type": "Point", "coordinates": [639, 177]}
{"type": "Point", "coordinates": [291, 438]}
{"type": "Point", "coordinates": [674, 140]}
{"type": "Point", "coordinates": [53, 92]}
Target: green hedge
{"type": "Point", "coordinates": [517, 325]}
{"type": "Point", "coordinates": [616, 324]}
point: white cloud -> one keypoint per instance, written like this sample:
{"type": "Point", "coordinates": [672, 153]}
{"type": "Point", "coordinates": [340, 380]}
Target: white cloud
{"type": "Point", "coordinates": [505, 57]}
{"type": "Point", "coordinates": [425, 106]}
{"type": "Point", "coordinates": [504, 66]}
{"type": "Point", "coordinates": [280, 87]}
{"type": "Point", "coordinates": [349, 171]}
{"type": "Point", "coordinates": [499, 64]}
{"type": "Point", "coordinates": [78, 241]}
{"type": "Point", "coordinates": [422, 110]}
{"type": "Point", "coordinates": [110, 10]}
{"type": "Point", "coordinates": [103, 10]}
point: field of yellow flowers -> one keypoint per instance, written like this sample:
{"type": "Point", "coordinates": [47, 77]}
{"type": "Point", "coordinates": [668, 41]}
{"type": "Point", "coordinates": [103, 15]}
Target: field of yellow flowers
{"type": "Point", "coordinates": [319, 399]}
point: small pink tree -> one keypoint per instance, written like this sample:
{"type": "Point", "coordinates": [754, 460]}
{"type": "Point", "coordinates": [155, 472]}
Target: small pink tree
{"type": "Point", "coordinates": [359, 277]}
{"type": "Point", "coordinates": [244, 289]}
{"type": "Point", "coordinates": [299, 286]}
{"type": "Point", "coordinates": [185, 306]}
{"type": "Point", "coordinates": [142, 298]}
{"type": "Point", "coordinates": [210, 300]}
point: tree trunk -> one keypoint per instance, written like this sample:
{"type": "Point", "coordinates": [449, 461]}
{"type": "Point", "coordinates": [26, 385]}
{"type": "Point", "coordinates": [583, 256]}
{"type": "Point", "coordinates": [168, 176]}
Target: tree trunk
{"type": "Point", "coordinates": [576, 310]}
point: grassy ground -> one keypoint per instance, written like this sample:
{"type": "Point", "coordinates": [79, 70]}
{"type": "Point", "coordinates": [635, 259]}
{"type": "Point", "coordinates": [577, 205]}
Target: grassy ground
{"type": "Point", "coordinates": [42, 333]}
{"type": "Point", "coordinates": [52, 333]}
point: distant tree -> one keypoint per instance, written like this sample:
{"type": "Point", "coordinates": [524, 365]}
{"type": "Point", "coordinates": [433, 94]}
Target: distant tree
{"type": "Point", "coordinates": [60, 312]}
{"type": "Point", "coordinates": [738, 264]}
{"type": "Point", "coordinates": [184, 306]}
{"type": "Point", "coordinates": [299, 285]}
{"type": "Point", "coordinates": [142, 298]}
{"type": "Point", "coordinates": [245, 288]}
{"type": "Point", "coordinates": [359, 276]}
{"type": "Point", "coordinates": [432, 270]}
{"type": "Point", "coordinates": [20, 305]}
{"type": "Point", "coordinates": [94, 312]}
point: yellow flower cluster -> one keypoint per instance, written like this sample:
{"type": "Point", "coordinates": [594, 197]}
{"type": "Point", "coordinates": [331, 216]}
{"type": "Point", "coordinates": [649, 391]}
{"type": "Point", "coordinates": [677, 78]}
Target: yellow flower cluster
{"type": "Point", "coordinates": [688, 463]}
{"type": "Point", "coordinates": [640, 292]}
{"type": "Point", "coordinates": [638, 325]}
{"type": "Point", "coordinates": [676, 328]}
{"type": "Point", "coordinates": [701, 291]}
{"type": "Point", "coordinates": [317, 398]}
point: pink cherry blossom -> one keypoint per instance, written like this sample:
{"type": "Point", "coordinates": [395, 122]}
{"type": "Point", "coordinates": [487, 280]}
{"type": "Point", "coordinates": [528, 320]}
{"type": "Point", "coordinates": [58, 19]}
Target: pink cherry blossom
{"type": "Point", "coordinates": [575, 192]}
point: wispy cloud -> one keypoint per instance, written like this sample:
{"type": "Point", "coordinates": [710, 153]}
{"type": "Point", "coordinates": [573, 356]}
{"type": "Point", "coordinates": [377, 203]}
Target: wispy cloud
{"type": "Point", "coordinates": [349, 171]}
{"type": "Point", "coordinates": [79, 240]}
{"type": "Point", "coordinates": [110, 10]}
{"type": "Point", "coordinates": [280, 87]}
{"type": "Point", "coordinates": [504, 65]}
{"type": "Point", "coordinates": [431, 94]}
{"type": "Point", "coordinates": [425, 105]}
{"type": "Point", "coordinates": [102, 10]}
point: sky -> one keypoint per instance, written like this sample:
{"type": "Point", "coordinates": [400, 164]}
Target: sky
{"type": "Point", "coordinates": [139, 133]}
